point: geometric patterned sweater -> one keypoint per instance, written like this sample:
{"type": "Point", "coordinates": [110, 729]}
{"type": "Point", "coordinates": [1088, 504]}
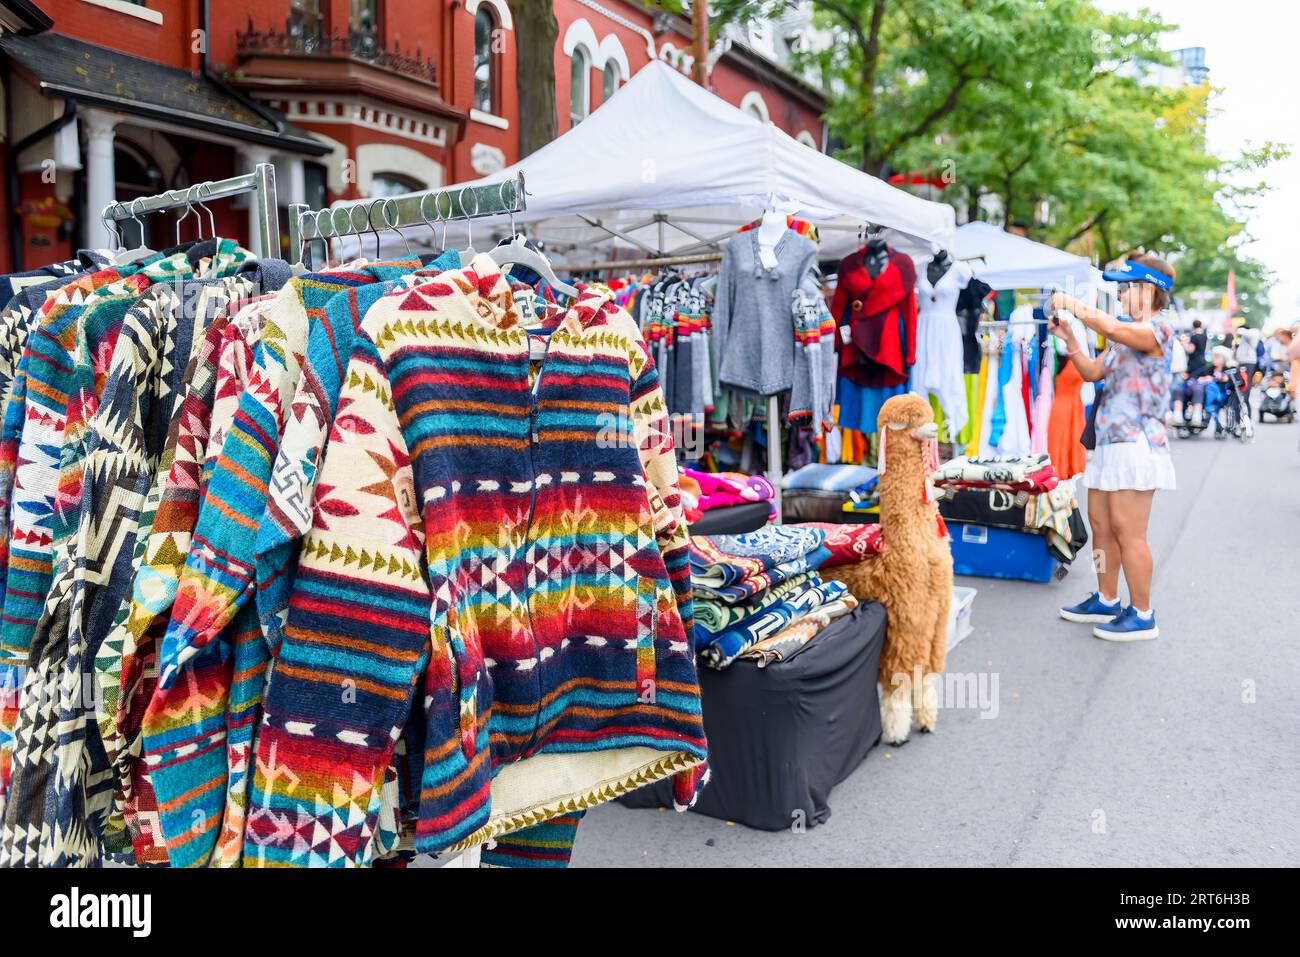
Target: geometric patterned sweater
{"type": "Point", "coordinates": [199, 727]}
{"type": "Point", "coordinates": [504, 536]}
{"type": "Point", "coordinates": [126, 666]}
{"type": "Point", "coordinates": [125, 439]}
{"type": "Point", "coordinates": [71, 351]}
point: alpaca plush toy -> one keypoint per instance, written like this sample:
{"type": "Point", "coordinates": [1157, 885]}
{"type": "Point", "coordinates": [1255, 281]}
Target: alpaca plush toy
{"type": "Point", "coordinates": [912, 577]}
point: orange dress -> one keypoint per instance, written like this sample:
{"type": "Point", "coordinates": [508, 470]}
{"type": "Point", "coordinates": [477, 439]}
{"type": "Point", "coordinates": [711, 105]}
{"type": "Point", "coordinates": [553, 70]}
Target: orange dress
{"type": "Point", "coordinates": [1066, 425]}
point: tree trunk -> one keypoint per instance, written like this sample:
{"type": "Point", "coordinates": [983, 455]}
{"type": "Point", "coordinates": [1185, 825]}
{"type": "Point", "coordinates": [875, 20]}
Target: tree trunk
{"type": "Point", "coordinates": [536, 31]}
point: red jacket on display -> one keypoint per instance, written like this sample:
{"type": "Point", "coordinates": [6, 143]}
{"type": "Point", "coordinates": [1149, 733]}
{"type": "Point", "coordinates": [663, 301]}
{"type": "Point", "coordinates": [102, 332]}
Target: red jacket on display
{"type": "Point", "coordinates": [881, 315]}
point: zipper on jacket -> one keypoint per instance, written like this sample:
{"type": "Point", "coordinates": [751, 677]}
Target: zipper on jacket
{"type": "Point", "coordinates": [528, 531]}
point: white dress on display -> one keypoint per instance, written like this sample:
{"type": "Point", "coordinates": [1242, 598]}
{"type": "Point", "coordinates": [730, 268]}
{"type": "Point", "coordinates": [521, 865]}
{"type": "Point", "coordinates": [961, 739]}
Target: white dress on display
{"type": "Point", "coordinates": [939, 370]}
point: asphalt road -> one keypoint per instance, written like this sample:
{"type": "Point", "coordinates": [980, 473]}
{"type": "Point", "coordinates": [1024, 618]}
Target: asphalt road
{"type": "Point", "coordinates": [1175, 752]}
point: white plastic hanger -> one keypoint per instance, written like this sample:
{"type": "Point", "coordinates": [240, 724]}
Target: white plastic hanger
{"type": "Point", "coordinates": [516, 253]}
{"type": "Point", "coordinates": [127, 256]}
{"type": "Point", "coordinates": [770, 230]}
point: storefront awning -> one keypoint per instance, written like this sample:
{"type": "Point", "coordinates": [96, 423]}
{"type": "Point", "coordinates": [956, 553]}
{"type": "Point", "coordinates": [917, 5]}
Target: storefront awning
{"type": "Point", "coordinates": [96, 76]}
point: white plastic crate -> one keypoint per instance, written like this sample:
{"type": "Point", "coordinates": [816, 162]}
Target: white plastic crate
{"type": "Point", "coordinates": [959, 614]}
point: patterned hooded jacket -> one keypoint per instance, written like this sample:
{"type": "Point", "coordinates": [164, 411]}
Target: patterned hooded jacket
{"type": "Point", "coordinates": [526, 516]}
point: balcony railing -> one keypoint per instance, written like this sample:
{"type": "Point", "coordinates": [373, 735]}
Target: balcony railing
{"type": "Point", "coordinates": [301, 39]}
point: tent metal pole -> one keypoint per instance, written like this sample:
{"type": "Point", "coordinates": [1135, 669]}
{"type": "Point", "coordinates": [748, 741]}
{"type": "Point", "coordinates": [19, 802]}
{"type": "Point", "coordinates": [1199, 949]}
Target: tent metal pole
{"type": "Point", "coordinates": [651, 263]}
{"type": "Point", "coordinates": [774, 467]}
{"type": "Point", "coordinates": [617, 233]}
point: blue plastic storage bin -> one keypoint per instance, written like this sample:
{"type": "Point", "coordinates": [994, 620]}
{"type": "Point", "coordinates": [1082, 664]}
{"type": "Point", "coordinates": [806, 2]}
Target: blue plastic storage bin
{"type": "Point", "coordinates": [988, 552]}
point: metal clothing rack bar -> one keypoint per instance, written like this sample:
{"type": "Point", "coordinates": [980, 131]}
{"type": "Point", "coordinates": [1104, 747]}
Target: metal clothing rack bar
{"type": "Point", "coordinates": [649, 263]}
{"type": "Point", "coordinates": [424, 208]}
{"type": "Point", "coordinates": [999, 323]}
{"type": "Point", "coordinates": [260, 182]}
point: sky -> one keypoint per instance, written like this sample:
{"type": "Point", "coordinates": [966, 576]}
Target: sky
{"type": "Point", "coordinates": [1251, 50]}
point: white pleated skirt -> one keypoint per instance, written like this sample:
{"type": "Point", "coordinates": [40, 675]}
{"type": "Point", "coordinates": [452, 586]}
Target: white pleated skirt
{"type": "Point", "coordinates": [1129, 466]}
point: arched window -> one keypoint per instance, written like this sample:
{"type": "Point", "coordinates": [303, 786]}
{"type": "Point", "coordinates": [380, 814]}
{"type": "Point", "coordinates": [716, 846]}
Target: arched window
{"type": "Point", "coordinates": [579, 85]}
{"type": "Point", "coordinates": [393, 184]}
{"type": "Point", "coordinates": [609, 83]}
{"type": "Point", "coordinates": [485, 61]}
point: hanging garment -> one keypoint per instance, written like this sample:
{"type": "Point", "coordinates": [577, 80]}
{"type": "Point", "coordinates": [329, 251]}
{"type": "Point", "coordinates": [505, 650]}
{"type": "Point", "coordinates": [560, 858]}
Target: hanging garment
{"type": "Point", "coordinates": [940, 356]}
{"type": "Point", "coordinates": [995, 415]}
{"type": "Point", "coordinates": [860, 406]}
{"type": "Point", "coordinates": [880, 313]}
{"type": "Point", "coordinates": [980, 421]}
{"type": "Point", "coordinates": [434, 467]}
{"type": "Point", "coordinates": [970, 310]}
{"type": "Point", "coordinates": [1042, 411]}
{"type": "Point", "coordinates": [813, 393]}
{"type": "Point", "coordinates": [213, 635]}
{"type": "Point", "coordinates": [971, 381]}
{"type": "Point", "coordinates": [92, 577]}
{"type": "Point", "coordinates": [126, 671]}
{"type": "Point", "coordinates": [753, 312]}
{"type": "Point", "coordinates": [70, 359]}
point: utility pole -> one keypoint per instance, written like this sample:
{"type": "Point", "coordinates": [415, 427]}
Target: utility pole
{"type": "Point", "coordinates": [700, 42]}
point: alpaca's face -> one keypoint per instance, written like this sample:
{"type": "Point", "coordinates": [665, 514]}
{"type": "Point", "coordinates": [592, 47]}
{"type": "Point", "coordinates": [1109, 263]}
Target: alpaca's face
{"type": "Point", "coordinates": [909, 414]}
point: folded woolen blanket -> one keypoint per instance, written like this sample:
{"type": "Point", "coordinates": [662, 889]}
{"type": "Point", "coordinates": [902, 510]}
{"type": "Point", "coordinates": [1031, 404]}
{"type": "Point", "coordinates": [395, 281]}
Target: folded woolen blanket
{"type": "Point", "coordinates": [724, 649]}
{"type": "Point", "coordinates": [1014, 473]}
{"type": "Point", "coordinates": [849, 544]}
{"type": "Point", "coordinates": [713, 616]}
{"type": "Point", "coordinates": [729, 558]}
{"type": "Point", "coordinates": [754, 611]}
{"type": "Point", "coordinates": [786, 641]}
{"type": "Point", "coordinates": [746, 589]}
{"type": "Point", "coordinates": [720, 562]}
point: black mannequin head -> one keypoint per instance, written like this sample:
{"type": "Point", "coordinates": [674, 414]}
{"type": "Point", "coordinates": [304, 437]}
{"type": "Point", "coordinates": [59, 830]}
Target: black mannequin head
{"type": "Point", "coordinates": [877, 255]}
{"type": "Point", "coordinates": [938, 267]}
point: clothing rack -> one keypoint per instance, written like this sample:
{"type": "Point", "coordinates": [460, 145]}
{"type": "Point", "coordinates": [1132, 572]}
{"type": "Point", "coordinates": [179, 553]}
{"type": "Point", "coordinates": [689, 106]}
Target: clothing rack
{"type": "Point", "coordinates": [260, 183]}
{"type": "Point", "coordinates": [650, 263]}
{"type": "Point", "coordinates": [425, 208]}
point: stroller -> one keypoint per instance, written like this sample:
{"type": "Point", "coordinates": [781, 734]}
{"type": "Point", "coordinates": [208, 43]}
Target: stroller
{"type": "Point", "coordinates": [1276, 401]}
{"type": "Point", "coordinates": [1225, 410]}
{"type": "Point", "coordinates": [1228, 408]}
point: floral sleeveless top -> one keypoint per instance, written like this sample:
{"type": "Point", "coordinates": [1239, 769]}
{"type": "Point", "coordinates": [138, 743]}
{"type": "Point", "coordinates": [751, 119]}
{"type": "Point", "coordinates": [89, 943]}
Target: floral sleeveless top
{"type": "Point", "coordinates": [1136, 393]}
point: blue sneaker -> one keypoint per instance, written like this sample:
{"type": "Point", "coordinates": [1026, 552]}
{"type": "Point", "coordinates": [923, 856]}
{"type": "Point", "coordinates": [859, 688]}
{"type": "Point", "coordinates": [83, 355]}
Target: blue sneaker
{"type": "Point", "coordinates": [1128, 626]}
{"type": "Point", "coordinates": [1092, 609]}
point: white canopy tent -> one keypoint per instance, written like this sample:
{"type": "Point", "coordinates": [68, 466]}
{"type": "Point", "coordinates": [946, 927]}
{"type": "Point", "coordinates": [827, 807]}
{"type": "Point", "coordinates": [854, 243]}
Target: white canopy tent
{"type": "Point", "coordinates": [665, 167]}
{"type": "Point", "coordinates": [1006, 261]}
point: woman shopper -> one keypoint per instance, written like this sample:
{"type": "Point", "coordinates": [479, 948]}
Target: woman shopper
{"type": "Point", "coordinates": [1131, 459]}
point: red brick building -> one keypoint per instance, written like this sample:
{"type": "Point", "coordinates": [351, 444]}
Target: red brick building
{"type": "Point", "coordinates": [123, 98]}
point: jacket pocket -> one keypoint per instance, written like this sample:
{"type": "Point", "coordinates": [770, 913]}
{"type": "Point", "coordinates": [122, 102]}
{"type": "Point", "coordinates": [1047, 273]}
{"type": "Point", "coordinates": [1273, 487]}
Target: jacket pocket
{"type": "Point", "coordinates": [647, 633]}
{"type": "Point", "coordinates": [463, 662]}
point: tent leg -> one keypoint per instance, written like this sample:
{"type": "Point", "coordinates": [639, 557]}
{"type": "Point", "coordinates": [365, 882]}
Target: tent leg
{"type": "Point", "coordinates": [774, 449]}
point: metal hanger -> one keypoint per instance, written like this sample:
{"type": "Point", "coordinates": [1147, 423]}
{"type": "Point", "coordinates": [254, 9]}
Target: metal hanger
{"type": "Point", "coordinates": [390, 222]}
{"type": "Point", "coordinates": [139, 252]}
{"type": "Point", "coordinates": [515, 252]}
{"type": "Point", "coordinates": [115, 234]}
{"type": "Point", "coordinates": [189, 208]}
{"type": "Point", "coordinates": [212, 220]}
{"type": "Point", "coordinates": [466, 255]}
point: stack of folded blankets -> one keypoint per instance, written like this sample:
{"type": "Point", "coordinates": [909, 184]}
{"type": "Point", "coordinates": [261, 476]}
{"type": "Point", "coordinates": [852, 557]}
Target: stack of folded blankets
{"type": "Point", "coordinates": [1021, 492]}
{"type": "Point", "coordinates": [759, 595]}
{"type": "Point", "coordinates": [705, 491]}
